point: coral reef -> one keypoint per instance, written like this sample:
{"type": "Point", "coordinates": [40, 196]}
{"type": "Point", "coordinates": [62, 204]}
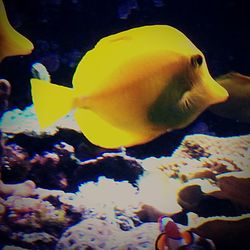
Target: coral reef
{"type": "Point", "coordinates": [60, 169]}
{"type": "Point", "coordinates": [114, 202]}
{"type": "Point", "coordinates": [31, 240]}
{"type": "Point", "coordinates": [57, 191]}
{"type": "Point", "coordinates": [20, 189]}
{"type": "Point", "coordinates": [12, 247]}
{"type": "Point", "coordinates": [36, 217]}
{"type": "Point", "coordinates": [18, 121]}
{"type": "Point", "coordinates": [50, 197]}
{"type": "Point", "coordinates": [98, 234]}
{"type": "Point", "coordinates": [219, 228]}
{"type": "Point", "coordinates": [90, 233]}
{"type": "Point", "coordinates": [154, 182]}
{"type": "Point", "coordinates": [198, 146]}
{"type": "Point", "coordinates": [209, 162]}
{"type": "Point", "coordinates": [5, 89]}
{"type": "Point", "coordinates": [235, 186]}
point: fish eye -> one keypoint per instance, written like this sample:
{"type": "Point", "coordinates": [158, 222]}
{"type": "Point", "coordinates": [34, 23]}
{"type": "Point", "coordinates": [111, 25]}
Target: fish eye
{"type": "Point", "coordinates": [196, 60]}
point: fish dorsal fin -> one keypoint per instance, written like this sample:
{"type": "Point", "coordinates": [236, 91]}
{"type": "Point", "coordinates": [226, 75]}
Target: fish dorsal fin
{"type": "Point", "coordinates": [164, 36]}
{"type": "Point", "coordinates": [112, 55]}
{"type": "Point", "coordinates": [102, 133]}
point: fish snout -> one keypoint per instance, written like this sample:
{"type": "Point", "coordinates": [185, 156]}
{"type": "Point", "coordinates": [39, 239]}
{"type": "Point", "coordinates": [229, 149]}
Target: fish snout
{"type": "Point", "coordinates": [216, 93]}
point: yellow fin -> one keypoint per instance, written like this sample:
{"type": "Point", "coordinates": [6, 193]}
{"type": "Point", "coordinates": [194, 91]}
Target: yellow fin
{"type": "Point", "coordinates": [102, 133]}
{"type": "Point", "coordinates": [12, 43]}
{"type": "Point", "coordinates": [51, 101]}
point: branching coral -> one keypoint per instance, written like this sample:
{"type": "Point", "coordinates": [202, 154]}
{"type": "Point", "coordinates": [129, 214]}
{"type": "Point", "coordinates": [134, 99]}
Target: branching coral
{"type": "Point", "coordinates": [34, 213]}
{"type": "Point", "coordinates": [106, 199]}
{"type": "Point", "coordinates": [99, 234]}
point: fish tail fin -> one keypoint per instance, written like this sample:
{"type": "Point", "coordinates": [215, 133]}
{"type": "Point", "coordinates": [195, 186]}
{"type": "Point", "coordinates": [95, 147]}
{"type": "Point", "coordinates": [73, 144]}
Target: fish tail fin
{"type": "Point", "coordinates": [12, 43]}
{"type": "Point", "coordinates": [51, 101]}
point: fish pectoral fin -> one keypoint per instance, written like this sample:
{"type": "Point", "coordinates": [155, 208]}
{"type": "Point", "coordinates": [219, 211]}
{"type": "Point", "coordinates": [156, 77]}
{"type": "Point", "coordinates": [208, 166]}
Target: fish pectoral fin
{"type": "Point", "coordinates": [185, 102]}
{"type": "Point", "coordinates": [51, 101]}
{"type": "Point", "coordinates": [160, 242]}
{"type": "Point", "coordinates": [102, 133]}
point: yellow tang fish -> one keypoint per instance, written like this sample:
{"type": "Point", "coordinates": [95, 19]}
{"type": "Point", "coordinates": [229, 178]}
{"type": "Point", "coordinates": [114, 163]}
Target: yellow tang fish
{"type": "Point", "coordinates": [132, 87]}
{"type": "Point", "coordinates": [12, 43]}
{"type": "Point", "coordinates": [237, 106]}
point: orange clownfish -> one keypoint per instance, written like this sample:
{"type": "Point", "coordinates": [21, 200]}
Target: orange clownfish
{"type": "Point", "coordinates": [172, 238]}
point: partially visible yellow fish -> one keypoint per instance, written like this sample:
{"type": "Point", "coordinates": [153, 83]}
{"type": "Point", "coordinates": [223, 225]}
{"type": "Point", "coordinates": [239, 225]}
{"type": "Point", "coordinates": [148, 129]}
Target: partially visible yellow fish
{"type": "Point", "coordinates": [132, 87]}
{"type": "Point", "coordinates": [237, 106]}
{"type": "Point", "coordinates": [12, 43]}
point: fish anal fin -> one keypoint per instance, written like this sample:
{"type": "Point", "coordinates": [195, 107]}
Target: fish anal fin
{"type": "Point", "coordinates": [103, 134]}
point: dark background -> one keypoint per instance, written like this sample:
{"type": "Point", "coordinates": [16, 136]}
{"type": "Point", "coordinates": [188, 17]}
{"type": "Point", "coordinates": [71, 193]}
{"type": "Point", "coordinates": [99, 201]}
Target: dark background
{"type": "Point", "coordinates": [63, 30]}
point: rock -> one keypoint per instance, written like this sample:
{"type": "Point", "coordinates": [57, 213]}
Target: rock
{"type": "Point", "coordinates": [90, 234]}
{"type": "Point", "coordinates": [14, 248]}
{"type": "Point", "coordinates": [98, 234]}
{"type": "Point", "coordinates": [20, 189]}
{"type": "Point", "coordinates": [235, 187]}
{"type": "Point", "coordinates": [37, 240]}
{"type": "Point", "coordinates": [226, 232]}
{"type": "Point", "coordinates": [198, 146]}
